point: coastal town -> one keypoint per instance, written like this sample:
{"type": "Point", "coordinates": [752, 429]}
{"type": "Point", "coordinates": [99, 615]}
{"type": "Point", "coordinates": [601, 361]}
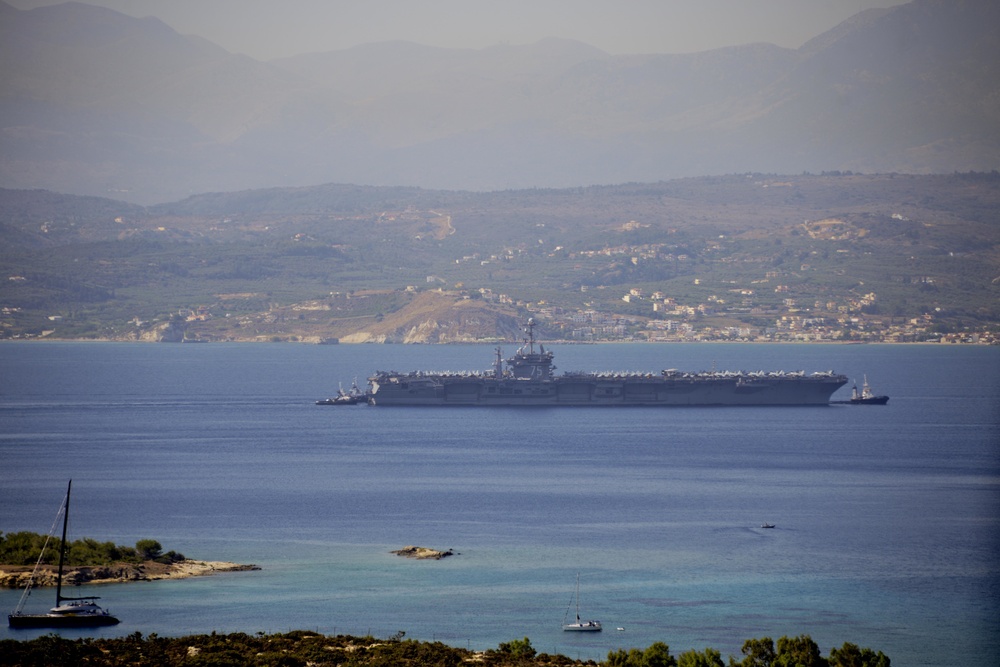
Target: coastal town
{"type": "Point", "coordinates": [445, 317]}
{"type": "Point", "coordinates": [715, 320]}
{"type": "Point", "coordinates": [698, 324]}
{"type": "Point", "coordinates": [741, 259]}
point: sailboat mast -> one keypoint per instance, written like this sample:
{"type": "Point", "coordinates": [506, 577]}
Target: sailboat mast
{"type": "Point", "coordinates": [577, 597]}
{"type": "Point", "coordinates": [62, 545]}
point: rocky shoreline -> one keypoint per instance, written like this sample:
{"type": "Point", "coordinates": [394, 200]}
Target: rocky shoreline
{"type": "Point", "coordinates": [14, 576]}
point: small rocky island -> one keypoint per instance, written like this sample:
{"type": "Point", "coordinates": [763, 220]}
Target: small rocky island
{"type": "Point", "coordinates": [422, 553]}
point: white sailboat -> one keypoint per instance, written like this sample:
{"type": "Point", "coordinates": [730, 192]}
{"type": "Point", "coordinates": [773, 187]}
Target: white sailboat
{"type": "Point", "coordinates": [580, 626]}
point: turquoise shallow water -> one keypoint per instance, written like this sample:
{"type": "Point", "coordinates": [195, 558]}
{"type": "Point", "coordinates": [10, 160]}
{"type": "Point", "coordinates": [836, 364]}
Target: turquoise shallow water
{"type": "Point", "coordinates": [887, 525]}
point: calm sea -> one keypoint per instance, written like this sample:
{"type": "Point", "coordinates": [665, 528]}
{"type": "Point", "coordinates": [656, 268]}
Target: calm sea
{"type": "Point", "coordinates": [887, 518]}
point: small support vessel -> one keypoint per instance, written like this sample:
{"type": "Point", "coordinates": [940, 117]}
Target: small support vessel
{"type": "Point", "coordinates": [866, 396]}
{"type": "Point", "coordinates": [353, 397]}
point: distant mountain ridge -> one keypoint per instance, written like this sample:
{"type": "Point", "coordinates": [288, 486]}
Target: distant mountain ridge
{"type": "Point", "coordinates": [95, 102]}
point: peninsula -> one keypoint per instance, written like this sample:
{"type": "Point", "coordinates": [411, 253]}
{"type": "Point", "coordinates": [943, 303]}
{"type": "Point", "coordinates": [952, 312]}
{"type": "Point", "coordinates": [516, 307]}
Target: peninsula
{"type": "Point", "coordinates": [16, 576]}
{"type": "Point", "coordinates": [92, 562]}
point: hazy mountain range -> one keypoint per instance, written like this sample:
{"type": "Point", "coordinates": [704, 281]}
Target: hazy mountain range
{"type": "Point", "coordinates": [96, 102]}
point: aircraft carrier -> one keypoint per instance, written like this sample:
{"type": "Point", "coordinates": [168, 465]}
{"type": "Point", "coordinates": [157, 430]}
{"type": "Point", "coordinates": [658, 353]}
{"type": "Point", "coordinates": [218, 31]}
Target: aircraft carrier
{"type": "Point", "coordinates": [528, 380]}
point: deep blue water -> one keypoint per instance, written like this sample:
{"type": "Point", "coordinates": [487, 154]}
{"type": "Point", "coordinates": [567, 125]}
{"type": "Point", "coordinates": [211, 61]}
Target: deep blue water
{"type": "Point", "coordinates": [888, 518]}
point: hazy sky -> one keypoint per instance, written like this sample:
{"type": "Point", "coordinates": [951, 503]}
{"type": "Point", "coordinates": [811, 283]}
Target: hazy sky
{"type": "Point", "coordinates": [268, 29]}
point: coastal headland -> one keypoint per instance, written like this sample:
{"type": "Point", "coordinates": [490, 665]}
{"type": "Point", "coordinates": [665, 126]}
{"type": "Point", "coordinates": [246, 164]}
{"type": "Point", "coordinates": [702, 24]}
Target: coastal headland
{"type": "Point", "coordinates": [16, 576]}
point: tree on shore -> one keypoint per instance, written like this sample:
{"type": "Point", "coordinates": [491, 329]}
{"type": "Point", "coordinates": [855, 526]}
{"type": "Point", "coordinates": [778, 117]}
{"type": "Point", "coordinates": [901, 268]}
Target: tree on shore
{"type": "Point", "coordinates": [656, 655]}
{"type": "Point", "coordinates": [802, 651]}
{"type": "Point", "coordinates": [149, 549]}
{"type": "Point", "coordinates": [757, 652]}
{"type": "Point", "coordinates": [707, 658]}
{"type": "Point", "coordinates": [851, 655]}
{"type": "Point", "coordinates": [799, 651]}
{"type": "Point", "coordinates": [25, 548]}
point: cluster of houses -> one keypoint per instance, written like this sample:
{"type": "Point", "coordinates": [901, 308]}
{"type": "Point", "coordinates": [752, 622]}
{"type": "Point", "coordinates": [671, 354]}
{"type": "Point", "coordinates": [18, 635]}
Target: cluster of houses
{"type": "Point", "coordinates": [687, 324]}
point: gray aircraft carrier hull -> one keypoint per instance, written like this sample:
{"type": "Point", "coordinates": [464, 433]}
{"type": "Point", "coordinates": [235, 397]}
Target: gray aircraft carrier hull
{"type": "Point", "coordinates": [528, 380]}
{"type": "Point", "coordinates": [684, 391]}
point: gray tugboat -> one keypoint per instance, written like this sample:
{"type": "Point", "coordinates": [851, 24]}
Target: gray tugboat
{"type": "Point", "coordinates": [528, 379]}
{"type": "Point", "coordinates": [352, 397]}
{"type": "Point", "coordinates": [866, 396]}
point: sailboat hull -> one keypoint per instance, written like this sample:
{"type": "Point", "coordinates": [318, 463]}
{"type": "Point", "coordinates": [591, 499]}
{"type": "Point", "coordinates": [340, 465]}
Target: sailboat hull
{"type": "Point", "coordinates": [591, 626]}
{"type": "Point", "coordinates": [60, 620]}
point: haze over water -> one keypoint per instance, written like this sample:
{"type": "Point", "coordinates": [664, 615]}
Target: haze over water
{"type": "Point", "coordinates": [886, 517]}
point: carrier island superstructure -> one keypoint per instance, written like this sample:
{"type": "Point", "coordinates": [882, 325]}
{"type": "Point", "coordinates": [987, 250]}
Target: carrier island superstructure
{"type": "Point", "coordinates": [528, 379]}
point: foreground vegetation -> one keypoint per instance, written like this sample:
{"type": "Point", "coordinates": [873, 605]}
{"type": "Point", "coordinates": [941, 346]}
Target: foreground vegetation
{"type": "Point", "coordinates": [310, 648]}
{"type": "Point", "coordinates": [24, 548]}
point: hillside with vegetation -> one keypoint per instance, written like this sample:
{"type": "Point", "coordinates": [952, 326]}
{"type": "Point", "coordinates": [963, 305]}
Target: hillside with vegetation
{"type": "Point", "coordinates": [747, 256]}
